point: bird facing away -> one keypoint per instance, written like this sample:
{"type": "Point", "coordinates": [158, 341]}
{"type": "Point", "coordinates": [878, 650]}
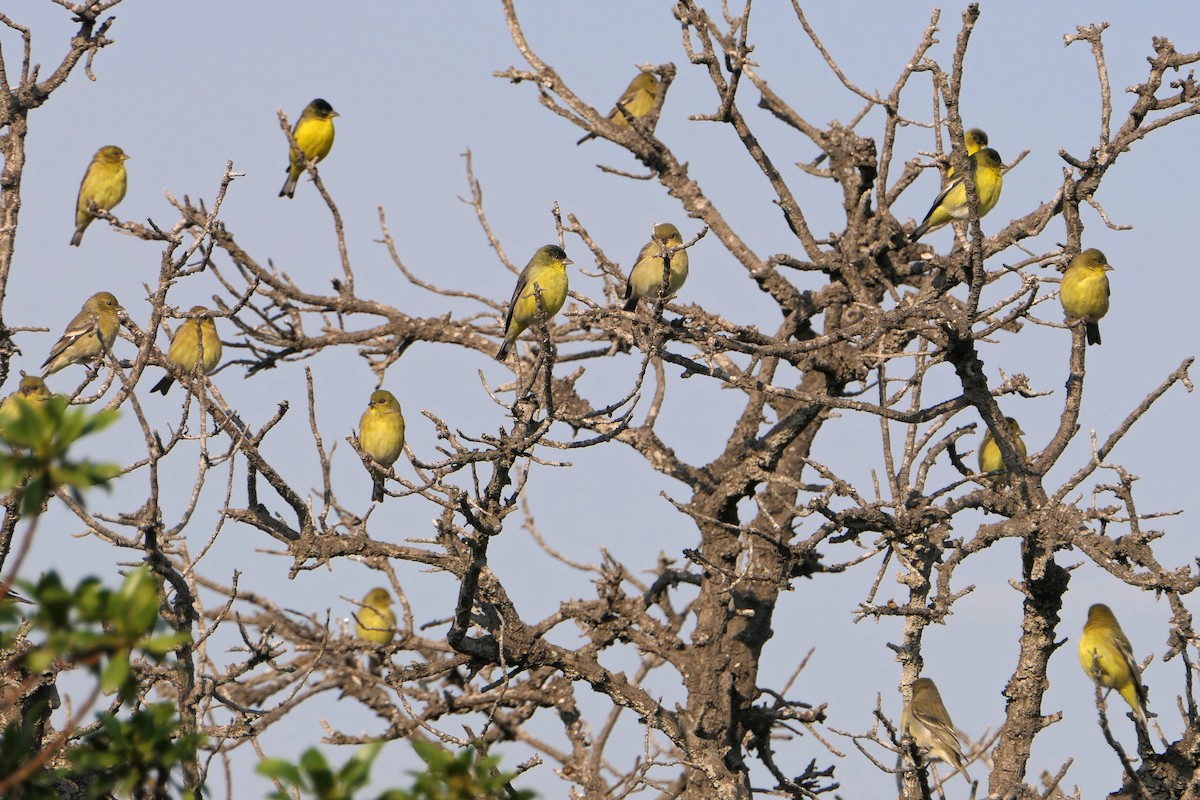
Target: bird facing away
{"type": "Point", "coordinates": [637, 102]}
{"type": "Point", "coordinates": [545, 276]}
{"type": "Point", "coordinates": [951, 204]}
{"type": "Point", "coordinates": [646, 277]}
{"type": "Point", "coordinates": [975, 139]}
{"type": "Point", "coordinates": [1103, 644]}
{"type": "Point", "coordinates": [195, 338]}
{"type": "Point", "coordinates": [89, 334]}
{"type": "Point", "coordinates": [314, 136]}
{"type": "Point", "coordinates": [381, 435]}
{"type": "Point", "coordinates": [1084, 293]}
{"type": "Point", "coordinates": [926, 720]}
{"type": "Point", "coordinates": [103, 186]}
{"type": "Point", "coordinates": [990, 460]}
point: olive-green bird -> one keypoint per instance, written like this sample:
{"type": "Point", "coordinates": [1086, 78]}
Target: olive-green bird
{"type": "Point", "coordinates": [195, 339]}
{"type": "Point", "coordinates": [381, 435]}
{"type": "Point", "coordinates": [646, 277]}
{"type": "Point", "coordinates": [89, 334]}
{"type": "Point", "coordinates": [637, 102]}
{"type": "Point", "coordinates": [1103, 643]}
{"type": "Point", "coordinates": [975, 139]}
{"type": "Point", "coordinates": [1084, 293]}
{"type": "Point", "coordinates": [103, 186]}
{"type": "Point", "coordinates": [991, 463]}
{"type": "Point", "coordinates": [926, 720]}
{"type": "Point", "coordinates": [545, 276]}
{"type": "Point", "coordinates": [951, 204]}
{"type": "Point", "coordinates": [314, 136]}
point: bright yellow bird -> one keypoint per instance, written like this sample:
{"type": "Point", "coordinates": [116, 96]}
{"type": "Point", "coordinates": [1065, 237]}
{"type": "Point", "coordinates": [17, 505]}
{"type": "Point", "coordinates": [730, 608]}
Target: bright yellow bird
{"type": "Point", "coordinates": [637, 102]}
{"type": "Point", "coordinates": [381, 435]}
{"type": "Point", "coordinates": [375, 622]}
{"type": "Point", "coordinates": [31, 391]}
{"type": "Point", "coordinates": [545, 277]}
{"type": "Point", "coordinates": [89, 334]}
{"type": "Point", "coordinates": [1084, 293]}
{"type": "Point", "coordinates": [951, 204]}
{"type": "Point", "coordinates": [646, 277]}
{"type": "Point", "coordinates": [926, 720]}
{"type": "Point", "coordinates": [103, 186]}
{"type": "Point", "coordinates": [990, 461]}
{"type": "Point", "coordinates": [195, 339]}
{"type": "Point", "coordinates": [1103, 643]}
{"type": "Point", "coordinates": [314, 136]}
{"type": "Point", "coordinates": [974, 139]}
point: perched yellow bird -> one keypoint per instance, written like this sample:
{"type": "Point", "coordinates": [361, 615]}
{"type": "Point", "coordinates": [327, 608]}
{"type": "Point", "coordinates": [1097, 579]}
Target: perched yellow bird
{"type": "Point", "coordinates": [1084, 293]}
{"type": "Point", "coordinates": [544, 276]}
{"type": "Point", "coordinates": [381, 434]}
{"type": "Point", "coordinates": [646, 277]}
{"type": "Point", "coordinates": [637, 102]}
{"type": "Point", "coordinates": [974, 139]}
{"type": "Point", "coordinates": [375, 622]}
{"type": "Point", "coordinates": [196, 334]}
{"type": "Point", "coordinates": [1104, 642]}
{"type": "Point", "coordinates": [89, 334]}
{"type": "Point", "coordinates": [990, 460]}
{"type": "Point", "coordinates": [314, 136]}
{"type": "Point", "coordinates": [925, 719]}
{"type": "Point", "coordinates": [31, 391]}
{"type": "Point", "coordinates": [951, 204]}
{"type": "Point", "coordinates": [103, 185]}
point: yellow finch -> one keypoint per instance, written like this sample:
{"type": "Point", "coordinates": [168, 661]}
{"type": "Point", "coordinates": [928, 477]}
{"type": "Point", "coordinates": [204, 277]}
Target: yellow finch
{"type": "Point", "coordinates": [92, 332]}
{"type": "Point", "coordinates": [103, 185]}
{"type": "Point", "coordinates": [990, 460]}
{"type": "Point", "coordinates": [31, 391]}
{"type": "Point", "coordinates": [1103, 643]}
{"type": "Point", "coordinates": [1084, 292]}
{"type": "Point", "coordinates": [637, 102]}
{"type": "Point", "coordinates": [545, 276]}
{"type": "Point", "coordinates": [974, 139]}
{"type": "Point", "coordinates": [314, 136]}
{"type": "Point", "coordinates": [381, 434]}
{"type": "Point", "coordinates": [951, 204]}
{"type": "Point", "coordinates": [375, 622]}
{"type": "Point", "coordinates": [646, 277]}
{"type": "Point", "coordinates": [193, 335]}
{"type": "Point", "coordinates": [925, 719]}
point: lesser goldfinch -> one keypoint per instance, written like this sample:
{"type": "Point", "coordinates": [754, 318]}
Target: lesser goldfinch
{"type": "Point", "coordinates": [375, 621]}
{"type": "Point", "coordinates": [193, 335]}
{"type": "Point", "coordinates": [1103, 643]}
{"type": "Point", "coordinates": [314, 136]}
{"type": "Point", "coordinates": [974, 139]}
{"type": "Point", "coordinates": [990, 460]}
{"type": "Point", "coordinates": [926, 720]}
{"type": "Point", "coordinates": [31, 391]}
{"type": "Point", "coordinates": [103, 185]}
{"type": "Point", "coordinates": [381, 434]}
{"type": "Point", "coordinates": [88, 336]}
{"type": "Point", "coordinates": [637, 102]}
{"type": "Point", "coordinates": [545, 276]}
{"type": "Point", "coordinates": [951, 204]}
{"type": "Point", "coordinates": [1084, 293]}
{"type": "Point", "coordinates": [646, 277]}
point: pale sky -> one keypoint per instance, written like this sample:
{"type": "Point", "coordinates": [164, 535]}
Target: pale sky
{"type": "Point", "coordinates": [190, 86]}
